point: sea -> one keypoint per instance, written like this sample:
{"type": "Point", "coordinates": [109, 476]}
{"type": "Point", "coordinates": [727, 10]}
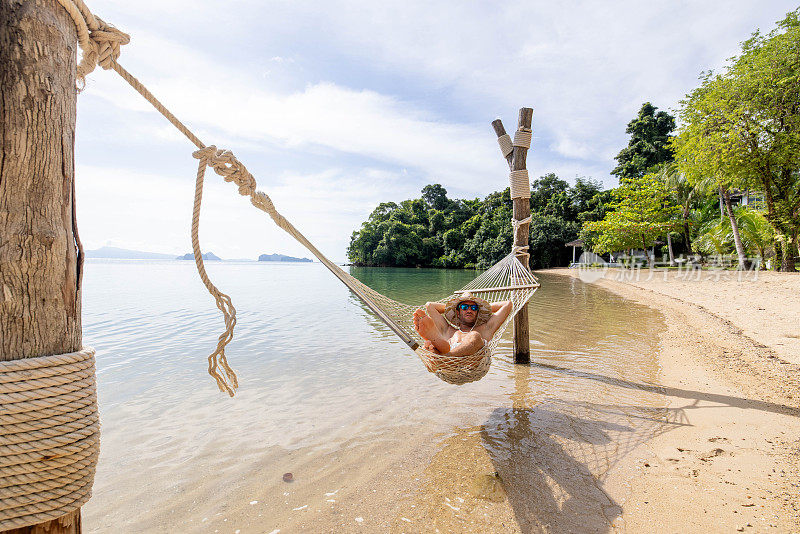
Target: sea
{"type": "Point", "coordinates": [338, 427]}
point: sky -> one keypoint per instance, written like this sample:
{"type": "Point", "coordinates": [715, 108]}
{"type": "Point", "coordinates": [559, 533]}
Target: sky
{"type": "Point", "coordinates": [337, 106]}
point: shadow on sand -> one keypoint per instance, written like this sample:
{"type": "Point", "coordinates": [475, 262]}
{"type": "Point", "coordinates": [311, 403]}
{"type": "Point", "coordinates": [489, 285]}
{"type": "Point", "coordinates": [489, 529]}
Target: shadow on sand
{"type": "Point", "coordinates": [553, 456]}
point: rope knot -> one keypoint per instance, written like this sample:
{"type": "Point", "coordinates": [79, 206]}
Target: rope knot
{"type": "Point", "coordinates": [205, 154]}
{"type": "Point", "coordinates": [101, 45]}
{"type": "Point", "coordinates": [107, 41]}
{"type": "Point", "coordinates": [226, 165]}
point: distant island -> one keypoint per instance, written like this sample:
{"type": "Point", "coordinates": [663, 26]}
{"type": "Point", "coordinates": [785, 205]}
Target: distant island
{"type": "Point", "coordinates": [281, 257]}
{"type": "Point", "coordinates": [126, 254]}
{"type": "Point", "coordinates": [210, 256]}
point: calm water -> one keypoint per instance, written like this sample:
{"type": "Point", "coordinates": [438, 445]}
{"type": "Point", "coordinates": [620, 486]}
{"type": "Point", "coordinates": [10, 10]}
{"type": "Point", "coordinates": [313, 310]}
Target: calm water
{"type": "Point", "coordinates": [328, 393]}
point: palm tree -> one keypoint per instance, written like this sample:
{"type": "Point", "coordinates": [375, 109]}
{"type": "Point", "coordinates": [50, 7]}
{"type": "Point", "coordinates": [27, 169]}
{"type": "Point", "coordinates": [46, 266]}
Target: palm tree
{"type": "Point", "coordinates": [686, 194]}
{"type": "Point", "coordinates": [756, 231]}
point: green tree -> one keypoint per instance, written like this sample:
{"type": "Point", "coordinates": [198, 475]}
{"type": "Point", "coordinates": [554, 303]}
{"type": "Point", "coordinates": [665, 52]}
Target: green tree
{"type": "Point", "coordinates": [435, 196]}
{"type": "Point", "coordinates": [456, 233]}
{"type": "Point", "coordinates": [649, 144]}
{"type": "Point", "coordinates": [642, 211]}
{"type": "Point", "coordinates": [744, 125]}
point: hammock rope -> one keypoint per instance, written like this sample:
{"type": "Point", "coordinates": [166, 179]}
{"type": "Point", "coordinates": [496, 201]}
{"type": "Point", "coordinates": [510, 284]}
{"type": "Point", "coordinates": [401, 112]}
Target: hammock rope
{"type": "Point", "coordinates": [49, 425]}
{"type": "Point", "coordinates": [507, 280]}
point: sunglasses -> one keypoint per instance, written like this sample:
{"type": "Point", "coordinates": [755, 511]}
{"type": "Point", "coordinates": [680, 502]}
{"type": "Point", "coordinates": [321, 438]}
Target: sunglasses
{"type": "Point", "coordinates": [473, 307]}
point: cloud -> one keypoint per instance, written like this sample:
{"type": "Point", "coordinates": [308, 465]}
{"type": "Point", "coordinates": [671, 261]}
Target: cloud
{"type": "Point", "coordinates": [346, 104]}
{"type": "Point", "coordinates": [324, 115]}
{"type": "Point", "coordinates": [153, 212]}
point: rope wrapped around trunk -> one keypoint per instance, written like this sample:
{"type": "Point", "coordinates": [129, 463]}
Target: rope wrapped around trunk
{"type": "Point", "coordinates": [49, 437]}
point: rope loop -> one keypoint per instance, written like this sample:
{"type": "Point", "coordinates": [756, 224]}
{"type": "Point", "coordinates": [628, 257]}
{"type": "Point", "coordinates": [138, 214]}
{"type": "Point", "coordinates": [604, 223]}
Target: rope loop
{"type": "Point", "coordinates": [517, 223]}
{"type": "Point", "coordinates": [100, 42]}
{"type": "Point", "coordinates": [107, 41]}
{"type": "Point", "coordinates": [49, 436]}
{"type": "Point", "coordinates": [520, 184]}
{"type": "Point", "coordinates": [522, 138]}
{"type": "Point", "coordinates": [520, 250]}
{"type": "Point", "coordinates": [506, 146]}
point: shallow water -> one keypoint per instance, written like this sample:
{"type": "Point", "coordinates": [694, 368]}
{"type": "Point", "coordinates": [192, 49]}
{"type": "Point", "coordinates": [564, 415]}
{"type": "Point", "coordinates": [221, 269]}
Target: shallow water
{"type": "Point", "coordinates": [328, 393]}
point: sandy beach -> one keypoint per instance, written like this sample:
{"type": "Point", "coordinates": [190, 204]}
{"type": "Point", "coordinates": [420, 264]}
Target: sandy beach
{"type": "Point", "coordinates": [729, 361]}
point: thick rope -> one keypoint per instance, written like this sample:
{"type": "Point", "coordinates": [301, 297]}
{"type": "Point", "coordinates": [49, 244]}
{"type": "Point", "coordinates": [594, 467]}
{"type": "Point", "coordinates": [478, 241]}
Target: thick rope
{"type": "Point", "coordinates": [506, 146]}
{"type": "Point", "coordinates": [217, 359]}
{"type": "Point", "coordinates": [522, 138]}
{"type": "Point", "coordinates": [520, 250]}
{"type": "Point", "coordinates": [49, 437]}
{"type": "Point", "coordinates": [520, 184]}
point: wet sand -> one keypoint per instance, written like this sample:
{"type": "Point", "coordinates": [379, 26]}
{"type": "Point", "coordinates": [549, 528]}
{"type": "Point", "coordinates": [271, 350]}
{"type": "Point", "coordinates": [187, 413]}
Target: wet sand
{"type": "Point", "coordinates": [729, 359]}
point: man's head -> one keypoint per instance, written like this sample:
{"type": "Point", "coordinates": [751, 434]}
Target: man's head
{"type": "Point", "coordinates": [467, 312]}
{"type": "Point", "coordinates": [467, 309]}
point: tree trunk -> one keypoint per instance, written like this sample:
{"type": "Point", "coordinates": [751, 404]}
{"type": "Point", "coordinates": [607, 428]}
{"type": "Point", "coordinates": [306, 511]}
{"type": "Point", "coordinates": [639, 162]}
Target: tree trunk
{"type": "Point", "coordinates": [40, 259]}
{"type": "Point", "coordinates": [735, 227]}
{"type": "Point", "coordinates": [686, 230]}
{"type": "Point", "coordinates": [671, 254]}
{"type": "Point", "coordinates": [789, 249]}
{"type": "Point", "coordinates": [778, 246]}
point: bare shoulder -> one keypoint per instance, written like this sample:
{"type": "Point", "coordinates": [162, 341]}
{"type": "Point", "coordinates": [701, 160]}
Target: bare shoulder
{"type": "Point", "coordinates": [486, 330]}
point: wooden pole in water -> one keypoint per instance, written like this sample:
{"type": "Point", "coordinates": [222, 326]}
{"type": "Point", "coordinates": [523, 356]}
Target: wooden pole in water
{"type": "Point", "coordinates": [522, 209]}
{"type": "Point", "coordinates": [40, 253]}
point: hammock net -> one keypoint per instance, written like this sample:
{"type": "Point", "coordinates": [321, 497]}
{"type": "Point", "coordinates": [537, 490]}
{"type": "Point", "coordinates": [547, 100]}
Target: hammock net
{"type": "Point", "coordinates": [507, 280]}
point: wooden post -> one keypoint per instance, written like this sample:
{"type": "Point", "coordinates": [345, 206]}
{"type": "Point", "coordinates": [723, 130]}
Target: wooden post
{"type": "Point", "coordinates": [522, 209]}
{"type": "Point", "coordinates": [40, 254]}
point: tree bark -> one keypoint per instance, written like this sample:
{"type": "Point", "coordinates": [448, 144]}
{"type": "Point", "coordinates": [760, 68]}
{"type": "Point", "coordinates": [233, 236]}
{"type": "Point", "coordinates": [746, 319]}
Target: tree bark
{"type": "Point", "coordinates": [669, 248]}
{"type": "Point", "coordinates": [789, 249]}
{"type": "Point", "coordinates": [726, 196]}
{"type": "Point", "coordinates": [688, 239]}
{"type": "Point", "coordinates": [40, 259]}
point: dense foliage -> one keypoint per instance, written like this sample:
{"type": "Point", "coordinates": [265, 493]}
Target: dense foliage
{"type": "Point", "coordinates": [642, 211]}
{"type": "Point", "coordinates": [649, 144]}
{"type": "Point", "coordinates": [742, 127]}
{"type": "Point", "coordinates": [436, 231]}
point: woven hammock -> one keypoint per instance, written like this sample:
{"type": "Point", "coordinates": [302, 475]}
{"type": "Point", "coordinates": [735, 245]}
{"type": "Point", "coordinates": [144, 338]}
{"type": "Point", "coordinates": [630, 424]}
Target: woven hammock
{"type": "Point", "coordinates": [507, 280]}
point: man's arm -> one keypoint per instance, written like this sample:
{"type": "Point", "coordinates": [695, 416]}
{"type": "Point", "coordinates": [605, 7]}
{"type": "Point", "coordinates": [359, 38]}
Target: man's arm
{"type": "Point", "coordinates": [497, 305]}
{"type": "Point", "coordinates": [500, 311]}
{"type": "Point", "coordinates": [435, 311]}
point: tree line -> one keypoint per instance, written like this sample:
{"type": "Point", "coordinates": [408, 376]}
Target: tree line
{"type": "Point", "coordinates": [684, 185]}
{"type": "Point", "coordinates": [437, 231]}
{"type": "Point", "coordinates": [739, 138]}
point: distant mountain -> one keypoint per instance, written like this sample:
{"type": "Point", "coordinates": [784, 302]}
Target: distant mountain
{"type": "Point", "coordinates": [280, 257]}
{"type": "Point", "coordinates": [122, 253]}
{"type": "Point", "coordinates": [210, 256]}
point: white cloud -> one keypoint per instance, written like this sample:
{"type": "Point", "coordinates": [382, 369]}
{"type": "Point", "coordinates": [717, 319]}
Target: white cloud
{"type": "Point", "coordinates": [119, 207]}
{"type": "Point", "coordinates": [359, 122]}
{"type": "Point", "coordinates": [331, 101]}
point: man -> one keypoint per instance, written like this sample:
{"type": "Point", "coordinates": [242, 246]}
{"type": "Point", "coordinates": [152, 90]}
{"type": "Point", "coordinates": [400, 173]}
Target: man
{"type": "Point", "coordinates": [462, 326]}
